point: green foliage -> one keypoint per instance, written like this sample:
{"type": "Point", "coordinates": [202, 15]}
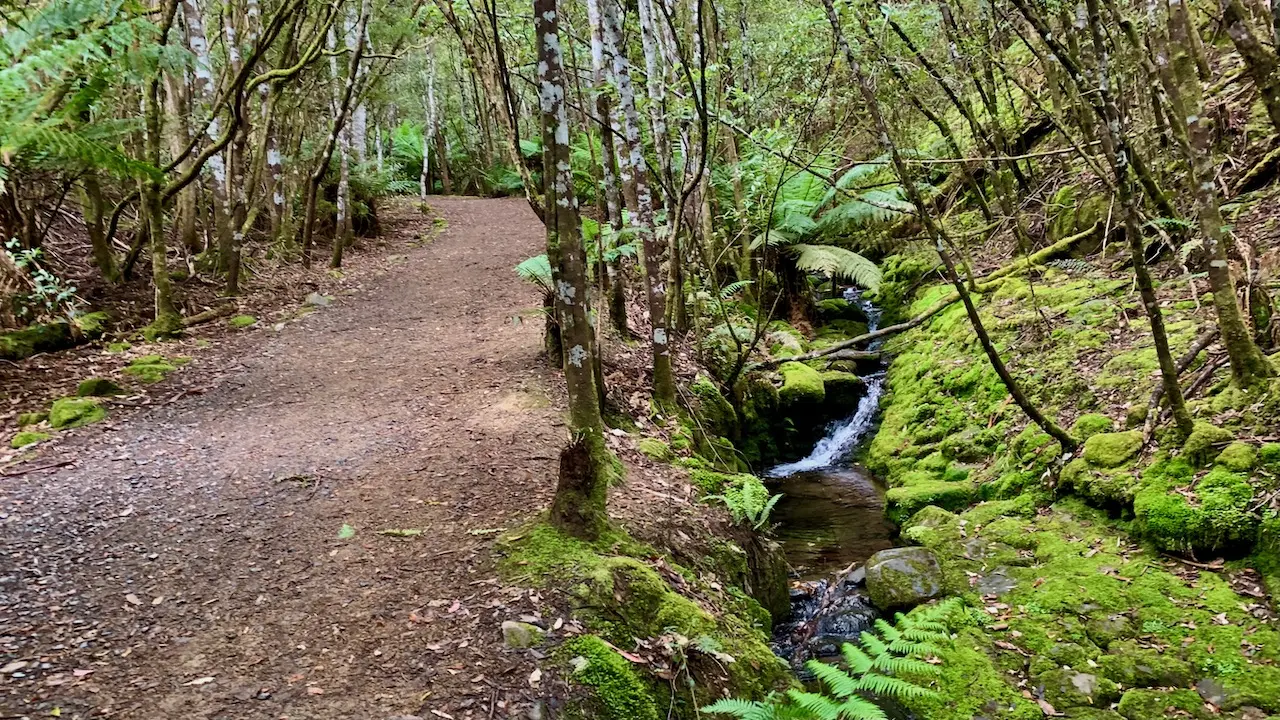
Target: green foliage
{"type": "Point", "coordinates": [537, 270]}
{"type": "Point", "coordinates": [890, 668]}
{"type": "Point", "coordinates": [748, 500]}
{"type": "Point", "coordinates": [838, 262]}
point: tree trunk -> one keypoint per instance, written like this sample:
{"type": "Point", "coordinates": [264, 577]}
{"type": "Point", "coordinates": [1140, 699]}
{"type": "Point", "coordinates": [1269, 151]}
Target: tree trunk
{"type": "Point", "coordinates": [580, 504]}
{"type": "Point", "coordinates": [1260, 60]}
{"type": "Point", "coordinates": [608, 177]}
{"type": "Point", "coordinates": [1248, 364]}
{"type": "Point", "coordinates": [632, 162]}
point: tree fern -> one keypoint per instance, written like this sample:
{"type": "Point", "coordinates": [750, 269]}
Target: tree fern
{"type": "Point", "coordinates": [537, 270]}
{"type": "Point", "coordinates": [838, 262]}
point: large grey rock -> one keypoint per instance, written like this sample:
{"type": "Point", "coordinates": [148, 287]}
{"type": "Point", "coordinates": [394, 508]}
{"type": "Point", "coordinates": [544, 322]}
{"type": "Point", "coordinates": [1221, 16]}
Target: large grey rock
{"type": "Point", "coordinates": [900, 578]}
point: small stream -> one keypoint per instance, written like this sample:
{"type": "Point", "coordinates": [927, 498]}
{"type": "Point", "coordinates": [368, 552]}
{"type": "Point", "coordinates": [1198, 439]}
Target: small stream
{"type": "Point", "coordinates": [829, 521]}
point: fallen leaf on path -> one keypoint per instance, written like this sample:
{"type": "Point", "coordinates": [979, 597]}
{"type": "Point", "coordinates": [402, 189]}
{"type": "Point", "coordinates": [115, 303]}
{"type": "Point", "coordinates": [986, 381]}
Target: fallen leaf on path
{"type": "Point", "coordinates": [201, 681]}
{"type": "Point", "coordinates": [535, 677]}
{"type": "Point", "coordinates": [132, 599]}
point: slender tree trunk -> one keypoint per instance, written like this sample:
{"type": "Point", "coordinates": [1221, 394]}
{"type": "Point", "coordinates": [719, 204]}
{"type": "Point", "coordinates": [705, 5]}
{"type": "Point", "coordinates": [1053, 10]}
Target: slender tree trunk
{"type": "Point", "coordinates": [940, 241]}
{"type": "Point", "coordinates": [167, 320]}
{"type": "Point", "coordinates": [1261, 61]}
{"type": "Point", "coordinates": [608, 177]}
{"type": "Point", "coordinates": [632, 162]}
{"type": "Point", "coordinates": [326, 153]}
{"type": "Point", "coordinates": [580, 504]}
{"type": "Point", "coordinates": [92, 208]}
{"type": "Point", "coordinates": [219, 214]}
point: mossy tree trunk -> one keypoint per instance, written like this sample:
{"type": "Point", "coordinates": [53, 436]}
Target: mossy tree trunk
{"type": "Point", "coordinates": [617, 280]}
{"type": "Point", "coordinates": [940, 240]}
{"type": "Point", "coordinates": [1248, 364]}
{"type": "Point", "coordinates": [1261, 62]}
{"type": "Point", "coordinates": [167, 320]}
{"type": "Point", "coordinates": [579, 506]}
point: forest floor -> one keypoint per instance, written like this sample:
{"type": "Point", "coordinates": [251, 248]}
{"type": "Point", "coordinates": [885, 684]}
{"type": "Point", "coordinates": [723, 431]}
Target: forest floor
{"type": "Point", "coordinates": [196, 558]}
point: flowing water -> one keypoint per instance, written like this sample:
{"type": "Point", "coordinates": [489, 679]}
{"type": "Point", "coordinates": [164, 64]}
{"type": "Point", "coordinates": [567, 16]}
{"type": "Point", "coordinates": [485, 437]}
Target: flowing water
{"type": "Point", "coordinates": [829, 521]}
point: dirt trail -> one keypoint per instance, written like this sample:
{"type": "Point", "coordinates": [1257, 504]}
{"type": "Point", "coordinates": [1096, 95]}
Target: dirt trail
{"type": "Point", "coordinates": [188, 564]}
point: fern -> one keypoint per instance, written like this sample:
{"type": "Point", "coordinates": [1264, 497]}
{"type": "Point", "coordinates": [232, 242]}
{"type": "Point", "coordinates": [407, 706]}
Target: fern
{"type": "Point", "coordinates": [537, 270]}
{"type": "Point", "coordinates": [734, 288]}
{"type": "Point", "coordinates": [839, 262]}
{"type": "Point", "coordinates": [881, 666]}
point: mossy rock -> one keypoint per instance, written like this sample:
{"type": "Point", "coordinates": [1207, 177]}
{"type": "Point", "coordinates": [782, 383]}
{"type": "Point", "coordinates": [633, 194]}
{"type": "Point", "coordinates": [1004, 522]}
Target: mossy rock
{"type": "Point", "coordinates": [1203, 444]}
{"type": "Point", "coordinates": [1238, 457]}
{"type": "Point", "coordinates": [1128, 664]}
{"type": "Point", "coordinates": [1090, 424]}
{"type": "Point", "coordinates": [903, 502]}
{"type": "Point", "coordinates": [98, 387]}
{"type": "Point", "coordinates": [27, 437]}
{"type": "Point", "coordinates": [1220, 520]}
{"type": "Point", "coordinates": [118, 347]}
{"type": "Point", "coordinates": [1110, 450]}
{"type": "Point", "coordinates": [1072, 688]}
{"type": "Point", "coordinates": [150, 368]}
{"type": "Point", "coordinates": [715, 414]}
{"type": "Point", "coordinates": [22, 344]}
{"type": "Point", "coordinates": [242, 321]}
{"type": "Point", "coordinates": [1143, 704]}
{"type": "Point", "coordinates": [801, 386]}
{"type": "Point", "coordinates": [32, 418]}
{"type": "Point", "coordinates": [655, 449]}
{"type": "Point", "coordinates": [840, 309]}
{"type": "Point", "coordinates": [842, 391]}
{"type": "Point", "coordinates": [901, 578]}
{"type": "Point", "coordinates": [75, 412]}
{"type": "Point", "coordinates": [1111, 488]}
{"type": "Point", "coordinates": [617, 691]}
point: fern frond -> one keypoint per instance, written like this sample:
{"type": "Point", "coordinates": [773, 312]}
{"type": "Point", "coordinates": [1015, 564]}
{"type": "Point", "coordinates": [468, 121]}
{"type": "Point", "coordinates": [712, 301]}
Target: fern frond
{"type": "Point", "coordinates": [857, 660]}
{"type": "Point", "coordinates": [734, 288]}
{"type": "Point", "coordinates": [537, 270]}
{"type": "Point", "coordinates": [891, 687]}
{"type": "Point", "coordinates": [839, 262]}
{"type": "Point", "coordinates": [856, 708]}
{"type": "Point", "coordinates": [837, 681]}
{"type": "Point", "coordinates": [742, 709]}
{"type": "Point", "coordinates": [904, 666]}
{"type": "Point", "coordinates": [815, 704]}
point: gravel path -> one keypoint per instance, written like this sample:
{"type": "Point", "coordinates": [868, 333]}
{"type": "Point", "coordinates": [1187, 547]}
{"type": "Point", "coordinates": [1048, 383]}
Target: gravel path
{"type": "Point", "coordinates": [188, 562]}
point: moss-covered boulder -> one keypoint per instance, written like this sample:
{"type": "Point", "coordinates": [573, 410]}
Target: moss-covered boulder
{"type": "Point", "coordinates": [31, 418]}
{"type": "Point", "coordinates": [904, 501]}
{"type": "Point", "coordinates": [1071, 688]}
{"type": "Point", "coordinates": [901, 578]}
{"type": "Point", "coordinates": [1238, 457]}
{"type": "Point", "coordinates": [150, 368]}
{"type": "Point", "coordinates": [27, 437]}
{"type": "Point", "coordinates": [1109, 450]}
{"type": "Point", "coordinates": [1219, 519]}
{"type": "Point", "coordinates": [98, 387]}
{"type": "Point", "coordinates": [1204, 443]}
{"type": "Point", "coordinates": [840, 309]}
{"type": "Point", "coordinates": [242, 321]}
{"type": "Point", "coordinates": [1112, 488]}
{"type": "Point", "coordinates": [655, 449]}
{"type": "Point", "coordinates": [842, 392]}
{"type": "Point", "coordinates": [1126, 663]}
{"type": "Point", "coordinates": [1090, 424]}
{"type": "Point", "coordinates": [801, 386]}
{"type": "Point", "coordinates": [1143, 704]}
{"type": "Point", "coordinates": [714, 413]}
{"type": "Point", "coordinates": [75, 412]}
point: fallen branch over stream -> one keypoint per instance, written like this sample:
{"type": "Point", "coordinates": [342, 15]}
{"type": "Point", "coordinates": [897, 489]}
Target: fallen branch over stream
{"type": "Point", "coordinates": [985, 284]}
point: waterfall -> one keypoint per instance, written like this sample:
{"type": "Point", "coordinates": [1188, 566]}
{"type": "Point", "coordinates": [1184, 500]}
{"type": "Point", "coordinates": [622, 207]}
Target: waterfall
{"type": "Point", "coordinates": [843, 436]}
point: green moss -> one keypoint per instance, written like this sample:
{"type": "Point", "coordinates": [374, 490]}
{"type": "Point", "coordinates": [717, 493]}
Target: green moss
{"type": "Point", "coordinates": [1107, 488]}
{"type": "Point", "coordinates": [617, 691]}
{"type": "Point", "coordinates": [165, 327]}
{"type": "Point", "coordinates": [242, 321]}
{"type": "Point", "coordinates": [655, 449]}
{"type": "Point", "coordinates": [971, 685]}
{"type": "Point", "coordinates": [903, 502]}
{"type": "Point", "coordinates": [1204, 443]}
{"type": "Point", "coordinates": [26, 438]}
{"type": "Point", "coordinates": [842, 391]}
{"type": "Point", "coordinates": [1088, 425]}
{"type": "Point", "coordinates": [1109, 450]}
{"type": "Point", "coordinates": [1142, 704]}
{"type": "Point", "coordinates": [31, 418]}
{"type": "Point", "coordinates": [150, 368]}
{"type": "Point", "coordinates": [75, 412]}
{"type": "Point", "coordinates": [715, 414]}
{"type": "Point", "coordinates": [118, 347]}
{"type": "Point", "coordinates": [1238, 457]}
{"type": "Point", "coordinates": [621, 598]}
{"type": "Point", "coordinates": [92, 325]}
{"type": "Point", "coordinates": [98, 387]}
{"type": "Point", "coordinates": [801, 386]}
